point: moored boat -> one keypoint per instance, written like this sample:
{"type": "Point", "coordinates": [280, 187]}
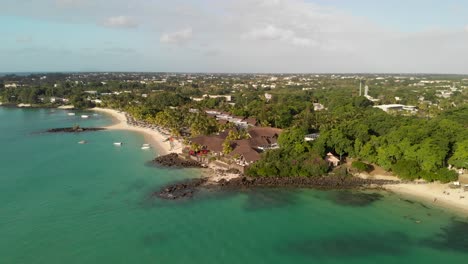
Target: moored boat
{"type": "Point", "coordinates": [118, 144]}
{"type": "Point", "coordinates": [71, 114]}
{"type": "Point", "coordinates": [145, 147]}
{"type": "Point", "coordinates": [82, 142]}
{"type": "Point", "coordinates": [84, 116]}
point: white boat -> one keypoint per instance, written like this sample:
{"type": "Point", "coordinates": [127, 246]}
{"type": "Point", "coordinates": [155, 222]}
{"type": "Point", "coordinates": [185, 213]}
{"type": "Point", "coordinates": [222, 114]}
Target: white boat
{"type": "Point", "coordinates": [82, 142]}
{"type": "Point", "coordinates": [147, 147]}
{"type": "Point", "coordinates": [71, 114]}
{"type": "Point", "coordinates": [84, 116]}
{"type": "Point", "coordinates": [117, 143]}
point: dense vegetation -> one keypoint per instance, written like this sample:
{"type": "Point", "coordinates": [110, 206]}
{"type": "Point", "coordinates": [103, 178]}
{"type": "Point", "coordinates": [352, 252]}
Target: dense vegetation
{"type": "Point", "coordinates": [421, 145]}
{"type": "Point", "coordinates": [411, 147]}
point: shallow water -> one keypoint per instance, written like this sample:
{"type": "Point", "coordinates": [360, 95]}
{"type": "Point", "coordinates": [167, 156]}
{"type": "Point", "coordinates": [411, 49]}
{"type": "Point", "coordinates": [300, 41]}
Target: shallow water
{"type": "Point", "coordinates": [62, 202]}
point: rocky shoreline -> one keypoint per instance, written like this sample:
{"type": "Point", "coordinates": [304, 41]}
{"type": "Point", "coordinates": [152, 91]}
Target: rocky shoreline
{"type": "Point", "coordinates": [324, 182]}
{"type": "Point", "coordinates": [187, 189]}
{"type": "Point", "coordinates": [74, 129]}
{"type": "Point", "coordinates": [173, 160]}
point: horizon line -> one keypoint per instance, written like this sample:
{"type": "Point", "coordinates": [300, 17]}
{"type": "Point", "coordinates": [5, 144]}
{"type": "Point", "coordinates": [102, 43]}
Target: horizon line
{"type": "Point", "coordinates": [238, 73]}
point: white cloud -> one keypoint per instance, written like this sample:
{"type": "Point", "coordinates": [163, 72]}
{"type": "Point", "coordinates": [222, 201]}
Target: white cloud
{"type": "Point", "coordinates": [120, 22]}
{"type": "Point", "coordinates": [178, 37]}
{"type": "Point", "coordinates": [269, 32]}
{"type": "Point", "coordinates": [254, 35]}
{"type": "Point", "coordinates": [304, 42]}
{"type": "Point", "coordinates": [272, 32]}
{"type": "Point", "coordinates": [69, 3]}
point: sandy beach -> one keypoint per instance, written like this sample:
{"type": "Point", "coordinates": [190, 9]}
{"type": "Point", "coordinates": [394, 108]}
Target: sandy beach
{"type": "Point", "coordinates": [154, 138]}
{"type": "Point", "coordinates": [435, 194]}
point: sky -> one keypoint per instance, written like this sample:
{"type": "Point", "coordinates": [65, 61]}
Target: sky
{"type": "Point", "coordinates": [239, 36]}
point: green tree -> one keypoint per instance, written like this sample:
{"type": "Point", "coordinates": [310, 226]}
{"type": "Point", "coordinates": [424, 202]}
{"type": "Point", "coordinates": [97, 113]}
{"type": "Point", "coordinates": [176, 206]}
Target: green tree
{"type": "Point", "coordinates": [227, 148]}
{"type": "Point", "coordinates": [459, 158]}
{"type": "Point", "coordinates": [407, 169]}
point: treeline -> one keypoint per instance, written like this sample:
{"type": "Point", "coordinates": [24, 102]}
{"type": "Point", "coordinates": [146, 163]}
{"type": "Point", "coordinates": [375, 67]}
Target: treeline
{"type": "Point", "coordinates": [40, 96]}
{"type": "Point", "coordinates": [411, 147]}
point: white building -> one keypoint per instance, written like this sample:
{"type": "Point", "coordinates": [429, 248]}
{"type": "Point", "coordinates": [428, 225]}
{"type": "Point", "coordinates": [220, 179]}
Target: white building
{"type": "Point", "coordinates": [318, 107]}
{"type": "Point", "coordinates": [311, 137]}
{"type": "Point", "coordinates": [396, 107]}
{"type": "Point", "coordinates": [11, 85]}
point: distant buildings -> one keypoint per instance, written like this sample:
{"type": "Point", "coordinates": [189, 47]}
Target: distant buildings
{"type": "Point", "coordinates": [236, 120]}
{"type": "Point", "coordinates": [318, 107]}
{"type": "Point", "coordinates": [11, 85]}
{"type": "Point", "coordinates": [332, 159]}
{"type": "Point", "coordinates": [311, 137]}
{"type": "Point", "coordinates": [397, 107]}
{"type": "Point", "coordinates": [228, 98]}
{"type": "Point", "coordinates": [366, 94]}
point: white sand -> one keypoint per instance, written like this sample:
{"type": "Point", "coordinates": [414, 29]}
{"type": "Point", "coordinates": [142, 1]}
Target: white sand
{"type": "Point", "coordinates": [437, 194]}
{"type": "Point", "coordinates": [66, 107]}
{"type": "Point", "coordinates": [434, 193]}
{"type": "Point", "coordinates": [155, 139]}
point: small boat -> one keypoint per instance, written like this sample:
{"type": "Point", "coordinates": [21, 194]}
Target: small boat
{"type": "Point", "coordinates": [82, 142]}
{"type": "Point", "coordinates": [84, 116]}
{"type": "Point", "coordinates": [71, 114]}
{"type": "Point", "coordinates": [146, 147]}
{"type": "Point", "coordinates": [118, 144]}
{"type": "Point", "coordinates": [95, 114]}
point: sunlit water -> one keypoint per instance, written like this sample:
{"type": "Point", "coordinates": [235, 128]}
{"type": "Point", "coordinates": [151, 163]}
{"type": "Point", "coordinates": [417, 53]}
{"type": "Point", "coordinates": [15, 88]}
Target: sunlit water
{"type": "Point", "coordinates": [62, 202]}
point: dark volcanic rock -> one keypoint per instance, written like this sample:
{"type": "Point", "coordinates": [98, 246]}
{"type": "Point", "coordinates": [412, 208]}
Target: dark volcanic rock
{"type": "Point", "coordinates": [184, 189]}
{"type": "Point", "coordinates": [326, 182]}
{"type": "Point", "coordinates": [74, 129]}
{"type": "Point", "coordinates": [187, 188]}
{"type": "Point", "coordinates": [173, 160]}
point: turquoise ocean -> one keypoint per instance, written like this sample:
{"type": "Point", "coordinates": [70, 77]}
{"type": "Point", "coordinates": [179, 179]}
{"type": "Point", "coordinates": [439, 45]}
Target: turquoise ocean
{"type": "Point", "coordinates": [63, 202]}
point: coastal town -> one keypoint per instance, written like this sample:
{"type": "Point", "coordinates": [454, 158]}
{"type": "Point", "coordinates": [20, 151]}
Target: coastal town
{"type": "Point", "coordinates": [248, 123]}
{"type": "Point", "coordinates": [233, 131]}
